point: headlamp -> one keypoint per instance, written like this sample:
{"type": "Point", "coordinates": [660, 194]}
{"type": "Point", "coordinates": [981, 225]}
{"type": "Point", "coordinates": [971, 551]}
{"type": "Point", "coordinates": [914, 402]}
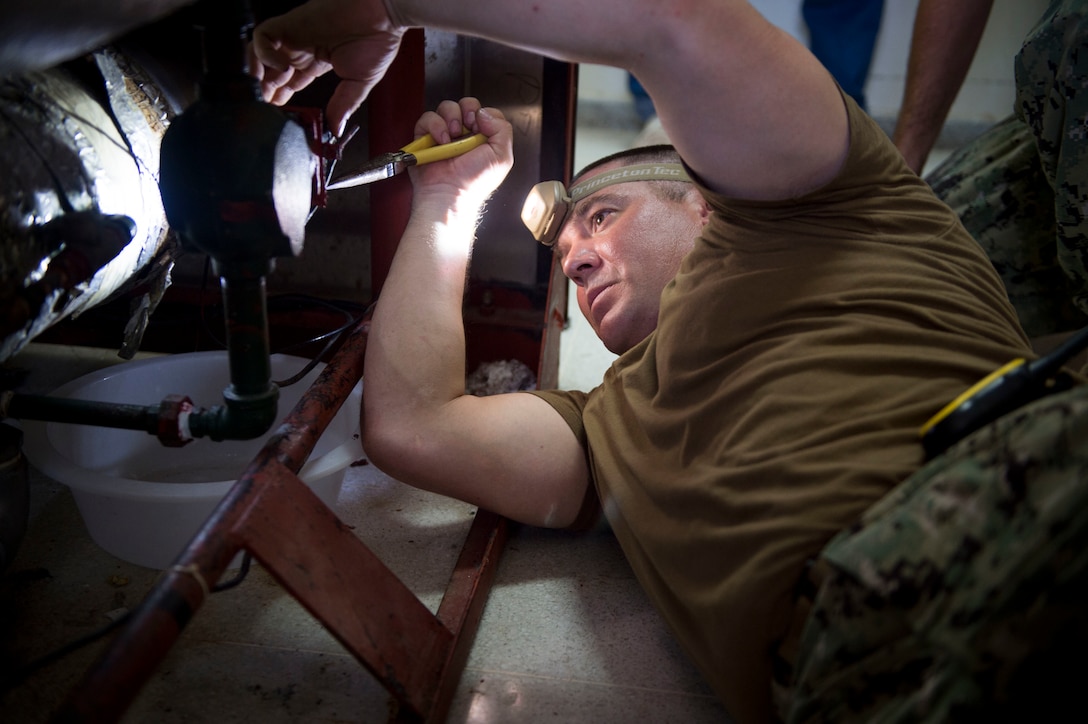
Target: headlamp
{"type": "Point", "coordinates": [548, 203]}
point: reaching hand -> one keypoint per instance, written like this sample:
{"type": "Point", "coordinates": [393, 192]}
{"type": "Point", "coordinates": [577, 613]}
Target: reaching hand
{"type": "Point", "coordinates": [354, 38]}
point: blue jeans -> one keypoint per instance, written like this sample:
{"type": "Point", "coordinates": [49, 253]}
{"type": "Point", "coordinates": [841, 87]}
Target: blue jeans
{"type": "Point", "coordinates": [842, 34]}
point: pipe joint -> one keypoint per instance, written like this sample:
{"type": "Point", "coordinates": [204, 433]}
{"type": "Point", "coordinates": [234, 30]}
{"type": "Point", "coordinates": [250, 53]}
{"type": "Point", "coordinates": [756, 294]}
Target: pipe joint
{"type": "Point", "coordinates": [242, 417]}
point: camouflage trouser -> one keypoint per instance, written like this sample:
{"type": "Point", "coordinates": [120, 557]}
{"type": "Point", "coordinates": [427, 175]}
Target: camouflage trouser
{"type": "Point", "coordinates": [963, 595]}
{"type": "Point", "coordinates": [1021, 188]}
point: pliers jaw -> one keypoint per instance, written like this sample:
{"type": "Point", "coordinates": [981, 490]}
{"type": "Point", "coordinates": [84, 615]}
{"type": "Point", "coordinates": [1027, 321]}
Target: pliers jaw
{"type": "Point", "coordinates": [380, 167]}
{"type": "Point", "coordinates": [420, 151]}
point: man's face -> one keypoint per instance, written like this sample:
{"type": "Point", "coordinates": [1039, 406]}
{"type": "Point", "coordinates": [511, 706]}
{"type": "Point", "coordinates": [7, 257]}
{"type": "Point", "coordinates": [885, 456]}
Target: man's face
{"type": "Point", "coordinates": [621, 246]}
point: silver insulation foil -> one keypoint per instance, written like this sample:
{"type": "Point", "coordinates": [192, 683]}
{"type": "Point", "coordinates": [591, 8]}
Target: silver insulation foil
{"type": "Point", "coordinates": [80, 160]}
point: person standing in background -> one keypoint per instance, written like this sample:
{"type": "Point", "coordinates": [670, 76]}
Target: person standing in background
{"type": "Point", "coordinates": [1021, 188]}
{"type": "Point", "coordinates": [842, 35]}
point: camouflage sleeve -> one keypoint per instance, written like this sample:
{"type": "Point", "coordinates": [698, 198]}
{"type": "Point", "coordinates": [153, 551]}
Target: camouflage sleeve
{"type": "Point", "coordinates": [1021, 188]}
{"type": "Point", "coordinates": [963, 594]}
{"type": "Point", "coordinates": [1053, 101]}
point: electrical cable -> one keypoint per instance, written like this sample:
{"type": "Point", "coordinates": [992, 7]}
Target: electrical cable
{"type": "Point", "coordinates": [227, 585]}
{"type": "Point", "coordinates": [334, 336]}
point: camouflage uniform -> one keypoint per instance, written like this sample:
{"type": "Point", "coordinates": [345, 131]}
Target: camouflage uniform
{"type": "Point", "coordinates": [963, 595]}
{"type": "Point", "coordinates": [1022, 187]}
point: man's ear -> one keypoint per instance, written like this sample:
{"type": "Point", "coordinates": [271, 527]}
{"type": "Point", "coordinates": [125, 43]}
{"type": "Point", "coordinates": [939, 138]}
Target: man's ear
{"type": "Point", "coordinates": [704, 209]}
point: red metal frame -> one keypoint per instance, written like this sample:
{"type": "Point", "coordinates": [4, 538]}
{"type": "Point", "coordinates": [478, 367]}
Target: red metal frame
{"type": "Point", "coordinates": [393, 108]}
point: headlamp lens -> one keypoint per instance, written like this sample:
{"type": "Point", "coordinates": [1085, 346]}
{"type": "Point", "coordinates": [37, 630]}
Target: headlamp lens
{"type": "Point", "coordinates": [544, 210]}
{"type": "Point", "coordinates": [547, 205]}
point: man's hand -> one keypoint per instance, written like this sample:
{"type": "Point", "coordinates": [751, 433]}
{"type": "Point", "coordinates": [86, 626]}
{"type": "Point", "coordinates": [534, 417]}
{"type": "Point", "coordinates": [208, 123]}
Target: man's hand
{"type": "Point", "coordinates": [468, 179]}
{"type": "Point", "coordinates": [355, 38]}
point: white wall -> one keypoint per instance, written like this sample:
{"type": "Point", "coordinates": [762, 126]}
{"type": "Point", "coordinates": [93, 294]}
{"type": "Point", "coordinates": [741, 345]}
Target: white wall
{"type": "Point", "coordinates": [987, 93]}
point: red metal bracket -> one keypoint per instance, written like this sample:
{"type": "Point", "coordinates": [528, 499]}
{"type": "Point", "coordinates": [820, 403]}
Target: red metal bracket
{"type": "Point", "coordinates": [327, 149]}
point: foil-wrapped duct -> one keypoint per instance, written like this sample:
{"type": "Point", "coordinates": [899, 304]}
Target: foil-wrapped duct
{"type": "Point", "coordinates": [81, 218]}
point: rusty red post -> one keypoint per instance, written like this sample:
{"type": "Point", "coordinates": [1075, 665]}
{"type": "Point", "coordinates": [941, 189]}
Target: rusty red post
{"type": "Point", "coordinates": [416, 655]}
{"type": "Point", "coordinates": [393, 108]}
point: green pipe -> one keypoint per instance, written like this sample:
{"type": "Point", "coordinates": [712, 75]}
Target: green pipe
{"type": "Point", "coordinates": [250, 401]}
{"type": "Point", "coordinates": [251, 398]}
{"type": "Point", "coordinates": [83, 412]}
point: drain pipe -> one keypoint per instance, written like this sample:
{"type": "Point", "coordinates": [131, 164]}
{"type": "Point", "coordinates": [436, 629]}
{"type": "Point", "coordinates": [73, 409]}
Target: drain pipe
{"type": "Point", "coordinates": [236, 181]}
{"type": "Point", "coordinates": [250, 401]}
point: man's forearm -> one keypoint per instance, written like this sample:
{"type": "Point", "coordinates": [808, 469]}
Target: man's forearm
{"type": "Point", "coordinates": [564, 29]}
{"type": "Point", "coordinates": [748, 107]}
{"type": "Point", "coordinates": [415, 359]}
{"type": "Point", "coordinates": [416, 362]}
{"type": "Point", "coordinates": [946, 36]}
{"type": "Point", "coordinates": [716, 70]}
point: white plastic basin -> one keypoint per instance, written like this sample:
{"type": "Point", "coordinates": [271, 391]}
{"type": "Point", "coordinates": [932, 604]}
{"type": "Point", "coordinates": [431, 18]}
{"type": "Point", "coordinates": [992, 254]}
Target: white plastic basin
{"type": "Point", "coordinates": [143, 502]}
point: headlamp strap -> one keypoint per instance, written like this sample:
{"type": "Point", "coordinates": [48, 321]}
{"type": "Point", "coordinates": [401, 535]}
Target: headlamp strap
{"type": "Point", "coordinates": [637, 172]}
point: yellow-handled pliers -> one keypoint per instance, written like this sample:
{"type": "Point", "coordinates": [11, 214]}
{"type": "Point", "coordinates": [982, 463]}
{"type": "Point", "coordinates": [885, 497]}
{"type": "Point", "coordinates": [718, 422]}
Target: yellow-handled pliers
{"type": "Point", "coordinates": [418, 152]}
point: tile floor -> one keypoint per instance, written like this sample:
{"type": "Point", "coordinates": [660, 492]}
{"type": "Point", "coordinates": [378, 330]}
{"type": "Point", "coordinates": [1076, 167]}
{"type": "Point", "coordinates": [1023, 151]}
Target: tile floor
{"type": "Point", "coordinates": [566, 634]}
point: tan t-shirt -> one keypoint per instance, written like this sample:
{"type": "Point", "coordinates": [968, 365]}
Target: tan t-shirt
{"type": "Point", "coordinates": [798, 350]}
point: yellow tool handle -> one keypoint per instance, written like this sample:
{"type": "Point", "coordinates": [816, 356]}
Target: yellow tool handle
{"type": "Point", "coordinates": [426, 151]}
